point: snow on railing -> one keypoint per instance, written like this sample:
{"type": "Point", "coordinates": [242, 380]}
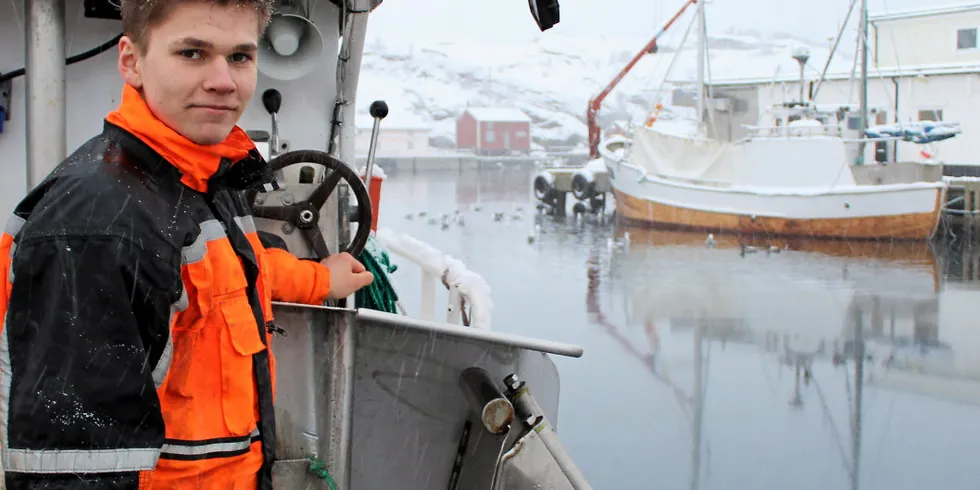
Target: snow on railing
{"type": "Point", "coordinates": [791, 131]}
{"type": "Point", "coordinates": [466, 288]}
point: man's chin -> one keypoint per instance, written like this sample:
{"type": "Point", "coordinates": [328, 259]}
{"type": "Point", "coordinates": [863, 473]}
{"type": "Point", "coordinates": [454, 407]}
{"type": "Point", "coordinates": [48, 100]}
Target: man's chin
{"type": "Point", "coordinates": [208, 138]}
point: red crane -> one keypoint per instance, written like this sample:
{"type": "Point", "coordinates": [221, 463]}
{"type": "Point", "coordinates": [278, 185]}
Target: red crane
{"type": "Point", "coordinates": [596, 102]}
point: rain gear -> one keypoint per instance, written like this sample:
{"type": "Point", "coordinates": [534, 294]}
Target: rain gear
{"type": "Point", "coordinates": [134, 347]}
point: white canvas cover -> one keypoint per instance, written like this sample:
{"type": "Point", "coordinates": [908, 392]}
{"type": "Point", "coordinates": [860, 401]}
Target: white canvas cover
{"type": "Point", "coordinates": [686, 158]}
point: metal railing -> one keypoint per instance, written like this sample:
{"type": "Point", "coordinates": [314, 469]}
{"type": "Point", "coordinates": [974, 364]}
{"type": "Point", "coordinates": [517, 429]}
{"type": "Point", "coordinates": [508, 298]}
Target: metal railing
{"type": "Point", "coordinates": [469, 302]}
{"type": "Point", "coordinates": [792, 131]}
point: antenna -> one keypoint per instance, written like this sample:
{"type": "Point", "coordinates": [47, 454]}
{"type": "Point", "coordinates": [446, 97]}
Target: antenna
{"type": "Point", "coordinates": [802, 55]}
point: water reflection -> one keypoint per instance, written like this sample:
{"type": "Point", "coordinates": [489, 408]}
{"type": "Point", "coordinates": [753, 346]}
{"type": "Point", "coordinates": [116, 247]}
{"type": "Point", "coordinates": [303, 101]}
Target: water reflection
{"type": "Point", "coordinates": [829, 320]}
{"type": "Point", "coordinates": [720, 364]}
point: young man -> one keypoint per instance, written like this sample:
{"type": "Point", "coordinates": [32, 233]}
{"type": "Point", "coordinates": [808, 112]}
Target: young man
{"type": "Point", "coordinates": [134, 351]}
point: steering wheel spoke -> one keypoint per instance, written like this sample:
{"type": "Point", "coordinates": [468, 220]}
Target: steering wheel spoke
{"type": "Point", "coordinates": [317, 241]}
{"type": "Point", "coordinates": [323, 191]}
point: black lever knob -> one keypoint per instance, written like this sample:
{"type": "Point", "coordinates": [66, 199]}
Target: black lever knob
{"type": "Point", "coordinates": [272, 100]}
{"type": "Point", "coordinates": [379, 109]}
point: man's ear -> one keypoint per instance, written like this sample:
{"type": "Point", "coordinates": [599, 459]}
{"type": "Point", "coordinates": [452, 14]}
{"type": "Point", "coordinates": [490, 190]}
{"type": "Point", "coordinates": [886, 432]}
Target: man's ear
{"type": "Point", "coordinates": [128, 62]}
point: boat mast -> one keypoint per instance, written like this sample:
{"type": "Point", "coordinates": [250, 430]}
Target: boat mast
{"type": "Point", "coordinates": [702, 52]}
{"type": "Point", "coordinates": [863, 42]}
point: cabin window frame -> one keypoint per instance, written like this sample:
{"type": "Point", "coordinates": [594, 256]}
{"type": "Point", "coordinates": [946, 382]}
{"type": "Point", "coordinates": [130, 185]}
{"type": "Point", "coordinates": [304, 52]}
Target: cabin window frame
{"type": "Point", "coordinates": [976, 39]}
{"type": "Point", "coordinates": [923, 114]}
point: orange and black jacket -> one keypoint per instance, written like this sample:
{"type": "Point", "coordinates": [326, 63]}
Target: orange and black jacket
{"type": "Point", "coordinates": [134, 348]}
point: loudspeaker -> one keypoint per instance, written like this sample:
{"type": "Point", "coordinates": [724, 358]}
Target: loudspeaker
{"type": "Point", "coordinates": [292, 45]}
{"type": "Point", "coordinates": [546, 13]}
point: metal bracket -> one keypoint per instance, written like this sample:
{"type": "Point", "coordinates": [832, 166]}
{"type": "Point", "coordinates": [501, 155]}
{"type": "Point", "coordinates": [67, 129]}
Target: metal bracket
{"type": "Point", "coordinates": [6, 88]}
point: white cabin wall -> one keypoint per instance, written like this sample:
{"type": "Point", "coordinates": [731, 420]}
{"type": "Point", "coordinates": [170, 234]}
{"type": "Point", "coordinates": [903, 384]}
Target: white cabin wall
{"type": "Point", "coordinates": [922, 41]}
{"type": "Point", "coordinates": [94, 88]}
{"type": "Point", "coordinates": [393, 142]}
{"type": "Point", "coordinates": [956, 95]}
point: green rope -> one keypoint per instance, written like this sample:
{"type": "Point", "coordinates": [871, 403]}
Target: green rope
{"type": "Point", "coordinates": [319, 469]}
{"type": "Point", "coordinates": [380, 295]}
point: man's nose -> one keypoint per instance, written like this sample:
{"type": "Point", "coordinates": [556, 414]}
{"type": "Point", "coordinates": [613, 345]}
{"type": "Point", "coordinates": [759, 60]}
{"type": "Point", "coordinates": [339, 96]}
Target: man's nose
{"type": "Point", "coordinates": [219, 77]}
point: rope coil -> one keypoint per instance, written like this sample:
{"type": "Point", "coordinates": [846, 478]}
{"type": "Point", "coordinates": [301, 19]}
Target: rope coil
{"type": "Point", "coordinates": [380, 295]}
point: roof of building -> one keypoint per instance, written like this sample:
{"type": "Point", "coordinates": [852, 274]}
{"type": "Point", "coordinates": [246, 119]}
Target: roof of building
{"type": "Point", "coordinates": [498, 114]}
{"type": "Point", "coordinates": [923, 12]}
{"type": "Point", "coordinates": [402, 121]}
{"type": "Point", "coordinates": [873, 73]}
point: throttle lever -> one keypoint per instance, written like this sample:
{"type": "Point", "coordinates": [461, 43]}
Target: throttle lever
{"type": "Point", "coordinates": [379, 110]}
{"type": "Point", "coordinates": [272, 101]}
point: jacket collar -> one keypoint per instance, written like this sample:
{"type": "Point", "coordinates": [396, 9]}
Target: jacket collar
{"type": "Point", "coordinates": [234, 162]}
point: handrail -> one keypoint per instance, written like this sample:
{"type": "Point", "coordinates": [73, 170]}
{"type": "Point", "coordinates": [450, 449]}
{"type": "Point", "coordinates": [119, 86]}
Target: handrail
{"type": "Point", "coordinates": [465, 286]}
{"type": "Point", "coordinates": [785, 132]}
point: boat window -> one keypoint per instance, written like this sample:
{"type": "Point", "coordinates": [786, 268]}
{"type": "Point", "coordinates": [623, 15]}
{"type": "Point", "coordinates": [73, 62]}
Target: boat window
{"type": "Point", "coordinates": [966, 38]}
{"type": "Point", "coordinates": [931, 115]}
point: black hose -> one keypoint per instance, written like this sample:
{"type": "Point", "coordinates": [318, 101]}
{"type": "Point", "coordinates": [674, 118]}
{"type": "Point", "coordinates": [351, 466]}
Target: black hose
{"type": "Point", "coordinates": [106, 46]}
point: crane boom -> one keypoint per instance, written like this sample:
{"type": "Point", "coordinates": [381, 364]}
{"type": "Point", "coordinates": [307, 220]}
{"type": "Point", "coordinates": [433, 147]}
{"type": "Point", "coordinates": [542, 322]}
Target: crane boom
{"type": "Point", "coordinates": [596, 102]}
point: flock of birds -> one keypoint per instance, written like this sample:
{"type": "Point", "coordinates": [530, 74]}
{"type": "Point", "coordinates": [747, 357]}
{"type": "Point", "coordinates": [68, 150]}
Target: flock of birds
{"type": "Point", "coordinates": [746, 249]}
{"type": "Point", "coordinates": [456, 217]}
{"type": "Point", "coordinates": [445, 220]}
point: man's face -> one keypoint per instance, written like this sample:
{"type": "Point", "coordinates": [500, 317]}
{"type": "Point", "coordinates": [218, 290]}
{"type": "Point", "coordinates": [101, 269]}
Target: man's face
{"type": "Point", "coordinates": [197, 72]}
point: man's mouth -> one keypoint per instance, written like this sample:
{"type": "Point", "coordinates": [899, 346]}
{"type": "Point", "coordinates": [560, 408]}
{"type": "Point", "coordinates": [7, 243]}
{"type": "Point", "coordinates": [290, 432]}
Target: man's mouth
{"type": "Point", "coordinates": [214, 107]}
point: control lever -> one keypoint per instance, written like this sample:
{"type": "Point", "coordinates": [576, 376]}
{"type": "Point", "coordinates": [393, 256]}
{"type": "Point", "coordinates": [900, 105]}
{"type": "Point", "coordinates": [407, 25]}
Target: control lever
{"type": "Point", "coordinates": [378, 110]}
{"type": "Point", "coordinates": [526, 408]}
{"type": "Point", "coordinates": [272, 101]}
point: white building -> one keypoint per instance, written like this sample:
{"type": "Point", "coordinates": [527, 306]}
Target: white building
{"type": "Point", "coordinates": [924, 65]}
{"type": "Point", "coordinates": [399, 136]}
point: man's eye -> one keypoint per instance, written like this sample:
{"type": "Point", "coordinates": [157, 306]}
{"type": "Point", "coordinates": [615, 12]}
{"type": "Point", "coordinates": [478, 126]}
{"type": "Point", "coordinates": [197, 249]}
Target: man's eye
{"type": "Point", "coordinates": [241, 57]}
{"type": "Point", "coordinates": [191, 54]}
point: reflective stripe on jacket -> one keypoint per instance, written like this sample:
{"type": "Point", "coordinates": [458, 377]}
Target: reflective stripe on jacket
{"type": "Point", "coordinates": [133, 347]}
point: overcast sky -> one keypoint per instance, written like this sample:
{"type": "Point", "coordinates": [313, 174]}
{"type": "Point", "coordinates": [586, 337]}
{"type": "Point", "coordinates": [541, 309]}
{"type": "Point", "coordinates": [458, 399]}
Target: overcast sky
{"type": "Point", "coordinates": [493, 20]}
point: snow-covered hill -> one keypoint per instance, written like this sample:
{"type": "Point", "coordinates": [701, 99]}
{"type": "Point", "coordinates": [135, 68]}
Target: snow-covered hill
{"type": "Point", "coordinates": [553, 78]}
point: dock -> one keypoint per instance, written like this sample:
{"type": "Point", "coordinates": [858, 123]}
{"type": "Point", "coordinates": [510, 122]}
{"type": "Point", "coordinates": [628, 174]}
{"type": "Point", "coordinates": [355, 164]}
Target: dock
{"type": "Point", "coordinates": [962, 209]}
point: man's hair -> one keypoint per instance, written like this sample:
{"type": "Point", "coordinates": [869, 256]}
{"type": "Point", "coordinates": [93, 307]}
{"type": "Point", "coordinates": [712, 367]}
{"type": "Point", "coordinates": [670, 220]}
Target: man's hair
{"type": "Point", "coordinates": [138, 16]}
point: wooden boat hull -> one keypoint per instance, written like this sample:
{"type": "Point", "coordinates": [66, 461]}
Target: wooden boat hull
{"type": "Point", "coordinates": [909, 226]}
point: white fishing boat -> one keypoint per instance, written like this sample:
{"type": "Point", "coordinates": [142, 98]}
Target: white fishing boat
{"type": "Point", "coordinates": [801, 171]}
{"type": "Point", "coordinates": [366, 399]}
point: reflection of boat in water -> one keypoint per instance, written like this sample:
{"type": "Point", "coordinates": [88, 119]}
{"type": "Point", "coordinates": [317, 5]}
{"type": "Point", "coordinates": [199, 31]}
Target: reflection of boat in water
{"type": "Point", "coordinates": [809, 289]}
{"type": "Point", "coordinates": [919, 333]}
{"type": "Point", "coordinates": [810, 398]}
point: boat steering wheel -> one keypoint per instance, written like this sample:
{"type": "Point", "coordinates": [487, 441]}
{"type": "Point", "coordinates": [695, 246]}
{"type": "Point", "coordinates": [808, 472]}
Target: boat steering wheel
{"type": "Point", "coordinates": [305, 215]}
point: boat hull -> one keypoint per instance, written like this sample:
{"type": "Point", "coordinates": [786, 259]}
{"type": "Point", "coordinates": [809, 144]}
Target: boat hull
{"type": "Point", "coordinates": [905, 211]}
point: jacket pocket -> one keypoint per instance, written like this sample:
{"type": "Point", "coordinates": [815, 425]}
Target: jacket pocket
{"type": "Point", "coordinates": [239, 341]}
{"type": "Point", "coordinates": [192, 342]}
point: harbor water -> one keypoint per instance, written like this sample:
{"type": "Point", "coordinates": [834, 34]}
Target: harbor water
{"type": "Point", "coordinates": [716, 364]}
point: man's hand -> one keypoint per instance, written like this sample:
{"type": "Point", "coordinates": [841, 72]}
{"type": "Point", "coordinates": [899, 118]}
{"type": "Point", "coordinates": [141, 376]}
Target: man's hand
{"type": "Point", "coordinates": [347, 275]}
